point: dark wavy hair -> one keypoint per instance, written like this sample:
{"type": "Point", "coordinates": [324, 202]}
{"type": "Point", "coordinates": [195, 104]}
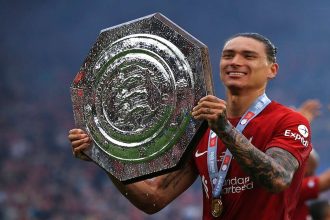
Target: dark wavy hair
{"type": "Point", "coordinates": [271, 50]}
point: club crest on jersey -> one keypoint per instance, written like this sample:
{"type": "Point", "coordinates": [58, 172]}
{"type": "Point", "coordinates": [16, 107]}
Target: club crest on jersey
{"type": "Point", "coordinates": [303, 130]}
{"type": "Point", "coordinates": [303, 133]}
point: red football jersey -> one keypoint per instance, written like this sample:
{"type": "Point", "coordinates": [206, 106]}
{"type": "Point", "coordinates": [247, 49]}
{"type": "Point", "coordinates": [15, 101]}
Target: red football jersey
{"type": "Point", "coordinates": [243, 198]}
{"type": "Point", "coordinates": [309, 190]}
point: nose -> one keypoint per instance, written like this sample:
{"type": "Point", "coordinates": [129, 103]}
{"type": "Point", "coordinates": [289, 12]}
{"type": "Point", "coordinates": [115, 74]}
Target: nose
{"type": "Point", "coordinates": [237, 60]}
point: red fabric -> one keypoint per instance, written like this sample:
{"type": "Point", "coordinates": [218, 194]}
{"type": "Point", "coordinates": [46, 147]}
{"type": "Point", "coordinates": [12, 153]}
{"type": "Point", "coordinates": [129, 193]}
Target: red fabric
{"type": "Point", "coordinates": [309, 190]}
{"type": "Point", "coordinates": [275, 126]}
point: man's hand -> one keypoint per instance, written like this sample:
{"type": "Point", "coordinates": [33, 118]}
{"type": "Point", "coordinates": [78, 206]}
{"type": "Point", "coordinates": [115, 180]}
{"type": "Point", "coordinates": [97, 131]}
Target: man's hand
{"type": "Point", "coordinates": [310, 109]}
{"type": "Point", "coordinates": [324, 181]}
{"type": "Point", "coordinates": [79, 142]}
{"type": "Point", "coordinates": [213, 110]}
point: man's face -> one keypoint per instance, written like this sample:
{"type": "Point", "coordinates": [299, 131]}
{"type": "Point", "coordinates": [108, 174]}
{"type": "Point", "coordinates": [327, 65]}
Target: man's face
{"type": "Point", "coordinates": [244, 65]}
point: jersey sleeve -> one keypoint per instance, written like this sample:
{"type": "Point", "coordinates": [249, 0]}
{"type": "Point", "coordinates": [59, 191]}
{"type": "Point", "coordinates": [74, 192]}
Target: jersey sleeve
{"type": "Point", "coordinates": [309, 188]}
{"type": "Point", "coordinates": [293, 134]}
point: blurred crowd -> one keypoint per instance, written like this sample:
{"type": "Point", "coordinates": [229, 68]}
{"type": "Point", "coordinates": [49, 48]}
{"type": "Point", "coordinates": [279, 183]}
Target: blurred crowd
{"type": "Point", "coordinates": [41, 40]}
{"type": "Point", "coordinates": [41, 180]}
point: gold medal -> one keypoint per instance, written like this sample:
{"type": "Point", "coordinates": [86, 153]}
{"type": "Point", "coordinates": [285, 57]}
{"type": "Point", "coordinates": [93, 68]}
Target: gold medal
{"type": "Point", "coordinates": [216, 208]}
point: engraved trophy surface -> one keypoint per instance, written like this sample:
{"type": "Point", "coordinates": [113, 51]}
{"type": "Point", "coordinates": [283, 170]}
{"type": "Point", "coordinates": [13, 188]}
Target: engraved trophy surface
{"type": "Point", "coordinates": [134, 94]}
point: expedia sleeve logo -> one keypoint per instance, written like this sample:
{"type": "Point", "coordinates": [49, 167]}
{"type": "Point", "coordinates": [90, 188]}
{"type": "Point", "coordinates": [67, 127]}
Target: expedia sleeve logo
{"type": "Point", "coordinates": [301, 136]}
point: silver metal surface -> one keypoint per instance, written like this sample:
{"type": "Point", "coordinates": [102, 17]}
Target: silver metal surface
{"type": "Point", "coordinates": [134, 94]}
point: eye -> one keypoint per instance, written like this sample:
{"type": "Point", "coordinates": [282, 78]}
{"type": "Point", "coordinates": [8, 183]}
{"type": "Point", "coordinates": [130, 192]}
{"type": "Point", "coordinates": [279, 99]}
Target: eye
{"type": "Point", "coordinates": [227, 55]}
{"type": "Point", "coordinates": [250, 56]}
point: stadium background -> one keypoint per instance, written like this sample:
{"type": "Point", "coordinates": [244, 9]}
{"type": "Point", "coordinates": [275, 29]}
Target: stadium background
{"type": "Point", "coordinates": [42, 45]}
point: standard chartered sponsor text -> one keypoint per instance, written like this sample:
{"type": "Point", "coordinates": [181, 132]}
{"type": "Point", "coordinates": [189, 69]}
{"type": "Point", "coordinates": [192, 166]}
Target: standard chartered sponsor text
{"type": "Point", "coordinates": [237, 185]}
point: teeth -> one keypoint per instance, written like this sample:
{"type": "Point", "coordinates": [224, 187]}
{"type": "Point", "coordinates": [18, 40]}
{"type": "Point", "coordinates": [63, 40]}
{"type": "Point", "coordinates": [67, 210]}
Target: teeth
{"type": "Point", "coordinates": [236, 74]}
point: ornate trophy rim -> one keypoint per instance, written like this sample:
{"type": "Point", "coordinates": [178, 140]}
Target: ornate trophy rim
{"type": "Point", "coordinates": [134, 93]}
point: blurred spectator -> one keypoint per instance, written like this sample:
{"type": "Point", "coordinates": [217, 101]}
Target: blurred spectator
{"type": "Point", "coordinates": [312, 184]}
{"type": "Point", "coordinates": [310, 109]}
{"type": "Point", "coordinates": [320, 210]}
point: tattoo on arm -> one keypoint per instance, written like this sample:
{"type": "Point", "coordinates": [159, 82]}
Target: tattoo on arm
{"type": "Point", "coordinates": [273, 169]}
{"type": "Point", "coordinates": [276, 168]}
{"type": "Point", "coordinates": [173, 179]}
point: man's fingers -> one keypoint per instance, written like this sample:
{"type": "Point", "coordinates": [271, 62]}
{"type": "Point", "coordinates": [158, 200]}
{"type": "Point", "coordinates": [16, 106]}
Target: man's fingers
{"type": "Point", "coordinates": [77, 131]}
{"type": "Point", "coordinates": [211, 102]}
{"type": "Point", "coordinates": [77, 143]}
{"type": "Point", "coordinates": [81, 148]}
{"type": "Point", "coordinates": [78, 152]}
{"type": "Point", "coordinates": [211, 98]}
{"type": "Point", "coordinates": [75, 136]}
{"type": "Point", "coordinates": [207, 114]}
{"type": "Point", "coordinates": [200, 112]}
{"type": "Point", "coordinates": [208, 108]}
{"type": "Point", "coordinates": [80, 141]}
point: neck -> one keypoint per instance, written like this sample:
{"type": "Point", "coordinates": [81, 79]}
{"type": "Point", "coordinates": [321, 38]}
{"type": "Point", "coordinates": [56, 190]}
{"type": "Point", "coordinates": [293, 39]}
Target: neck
{"type": "Point", "coordinates": [238, 104]}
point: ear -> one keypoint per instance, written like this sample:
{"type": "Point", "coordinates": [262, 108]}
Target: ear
{"type": "Point", "coordinates": [273, 71]}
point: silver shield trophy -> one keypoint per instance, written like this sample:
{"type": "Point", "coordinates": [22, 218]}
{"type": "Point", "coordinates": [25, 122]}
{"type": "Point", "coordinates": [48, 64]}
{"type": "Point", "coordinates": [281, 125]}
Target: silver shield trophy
{"type": "Point", "coordinates": [134, 94]}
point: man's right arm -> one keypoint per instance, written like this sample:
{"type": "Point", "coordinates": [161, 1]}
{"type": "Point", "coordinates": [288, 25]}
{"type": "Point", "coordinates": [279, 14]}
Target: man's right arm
{"type": "Point", "coordinates": [152, 195]}
{"type": "Point", "coordinates": [149, 195]}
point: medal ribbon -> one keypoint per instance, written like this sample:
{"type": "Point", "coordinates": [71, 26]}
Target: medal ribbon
{"type": "Point", "coordinates": [217, 177]}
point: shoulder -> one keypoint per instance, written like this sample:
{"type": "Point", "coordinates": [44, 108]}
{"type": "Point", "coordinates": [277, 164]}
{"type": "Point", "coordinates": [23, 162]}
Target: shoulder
{"type": "Point", "coordinates": [278, 107]}
{"type": "Point", "coordinates": [291, 130]}
{"type": "Point", "coordinates": [288, 120]}
{"type": "Point", "coordinates": [282, 112]}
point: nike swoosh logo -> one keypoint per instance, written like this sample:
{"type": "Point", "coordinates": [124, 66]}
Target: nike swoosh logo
{"type": "Point", "coordinates": [200, 154]}
{"type": "Point", "coordinates": [197, 154]}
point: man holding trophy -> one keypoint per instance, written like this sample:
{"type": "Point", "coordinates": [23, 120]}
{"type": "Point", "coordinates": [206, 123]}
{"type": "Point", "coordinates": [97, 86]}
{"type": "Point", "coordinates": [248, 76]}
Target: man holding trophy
{"type": "Point", "coordinates": [251, 158]}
